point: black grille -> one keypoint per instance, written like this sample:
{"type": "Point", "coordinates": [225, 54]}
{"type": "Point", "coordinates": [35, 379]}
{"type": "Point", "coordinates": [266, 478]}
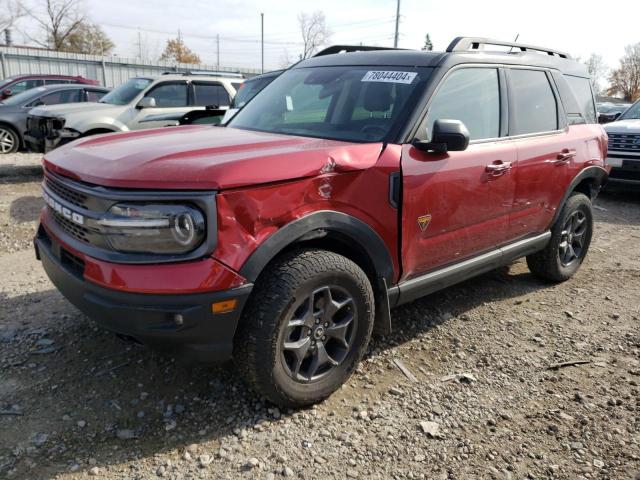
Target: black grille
{"type": "Point", "coordinates": [64, 192]}
{"type": "Point", "coordinates": [625, 174]}
{"type": "Point", "coordinates": [624, 142]}
{"type": "Point", "coordinates": [76, 231]}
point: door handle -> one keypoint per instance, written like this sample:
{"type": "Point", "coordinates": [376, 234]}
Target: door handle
{"type": "Point", "coordinates": [498, 168]}
{"type": "Point", "coordinates": [564, 156]}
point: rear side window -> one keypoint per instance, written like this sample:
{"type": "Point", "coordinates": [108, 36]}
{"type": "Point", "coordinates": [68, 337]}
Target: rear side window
{"type": "Point", "coordinates": [210, 94]}
{"type": "Point", "coordinates": [61, 96]}
{"type": "Point", "coordinates": [533, 104]}
{"type": "Point", "coordinates": [581, 88]}
{"type": "Point", "coordinates": [471, 95]}
{"type": "Point", "coordinates": [55, 82]}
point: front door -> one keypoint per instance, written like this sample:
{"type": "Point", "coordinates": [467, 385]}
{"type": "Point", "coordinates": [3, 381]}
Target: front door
{"type": "Point", "coordinates": [172, 100]}
{"type": "Point", "coordinates": [456, 205]}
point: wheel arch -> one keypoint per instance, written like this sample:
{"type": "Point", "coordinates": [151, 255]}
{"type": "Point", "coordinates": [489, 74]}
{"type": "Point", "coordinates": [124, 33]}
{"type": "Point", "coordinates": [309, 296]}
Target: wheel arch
{"type": "Point", "coordinates": [98, 131]}
{"type": "Point", "coordinates": [342, 234]}
{"type": "Point", "coordinates": [588, 181]}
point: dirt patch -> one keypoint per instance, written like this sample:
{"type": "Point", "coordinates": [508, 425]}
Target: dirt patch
{"type": "Point", "coordinates": [78, 401]}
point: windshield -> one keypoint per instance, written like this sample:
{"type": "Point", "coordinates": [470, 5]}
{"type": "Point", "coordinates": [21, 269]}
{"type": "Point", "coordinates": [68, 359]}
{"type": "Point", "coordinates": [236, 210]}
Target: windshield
{"type": "Point", "coordinates": [633, 113]}
{"type": "Point", "coordinates": [249, 89]}
{"type": "Point", "coordinates": [354, 103]}
{"type": "Point", "coordinates": [23, 97]}
{"type": "Point", "coordinates": [126, 92]}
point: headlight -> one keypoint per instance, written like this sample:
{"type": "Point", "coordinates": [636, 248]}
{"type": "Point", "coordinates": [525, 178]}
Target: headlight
{"type": "Point", "coordinates": [153, 228]}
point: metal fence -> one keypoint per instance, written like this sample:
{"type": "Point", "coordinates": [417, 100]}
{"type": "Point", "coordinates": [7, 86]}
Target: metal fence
{"type": "Point", "coordinates": [109, 71]}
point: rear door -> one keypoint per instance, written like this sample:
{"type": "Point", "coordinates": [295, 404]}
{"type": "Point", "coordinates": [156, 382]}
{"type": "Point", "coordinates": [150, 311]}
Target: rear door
{"type": "Point", "coordinates": [456, 205]}
{"type": "Point", "coordinates": [546, 149]}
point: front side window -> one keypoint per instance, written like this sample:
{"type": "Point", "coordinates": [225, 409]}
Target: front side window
{"type": "Point", "coordinates": [94, 95]}
{"type": "Point", "coordinates": [350, 103]}
{"type": "Point", "coordinates": [61, 96]}
{"type": "Point", "coordinates": [126, 92]}
{"type": "Point", "coordinates": [24, 85]}
{"type": "Point", "coordinates": [533, 103]}
{"type": "Point", "coordinates": [471, 95]}
{"type": "Point", "coordinates": [633, 113]}
{"type": "Point", "coordinates": [210, 94]}
{"type": "Point", "coordinates": [170, 95]}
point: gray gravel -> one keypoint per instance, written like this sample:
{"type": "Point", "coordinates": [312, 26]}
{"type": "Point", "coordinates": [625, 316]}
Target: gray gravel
{"type": "Point", "coordinates": [484, 396]}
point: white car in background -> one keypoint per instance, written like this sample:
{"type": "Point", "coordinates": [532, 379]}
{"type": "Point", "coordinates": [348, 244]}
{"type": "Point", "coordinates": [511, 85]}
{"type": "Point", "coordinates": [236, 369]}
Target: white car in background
{"type": "Point", "coordinates": [624, 147]}
{"type": "Point", "coordinates": [141, 102]}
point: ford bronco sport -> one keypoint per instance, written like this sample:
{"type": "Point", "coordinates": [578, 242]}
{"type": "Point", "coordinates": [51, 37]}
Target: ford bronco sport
{"type": "Point", "coordinates": [353, 183]}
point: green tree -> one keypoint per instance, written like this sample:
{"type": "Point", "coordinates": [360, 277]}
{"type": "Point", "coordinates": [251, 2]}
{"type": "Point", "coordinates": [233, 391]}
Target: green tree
{"type": "Point", "coordinates": [177, 51]}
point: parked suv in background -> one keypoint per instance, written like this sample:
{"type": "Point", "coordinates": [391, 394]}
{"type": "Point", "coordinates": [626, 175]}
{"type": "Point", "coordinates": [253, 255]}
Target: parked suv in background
{"type": "Point", "coordinates": [351, 184]}
{"type": "Point", "coordinates": [20, 83]}
{"type": "Point", "coordinates": [624, 146]}
{"type": "Point", "coordinates": [14, 110]}
{"type": "Point", "coordinates": [143, 102]}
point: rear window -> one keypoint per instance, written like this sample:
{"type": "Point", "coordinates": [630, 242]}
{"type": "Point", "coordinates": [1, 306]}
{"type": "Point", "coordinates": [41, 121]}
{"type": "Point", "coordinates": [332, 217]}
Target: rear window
{"type": "Point", "coordinates": [581, 88]}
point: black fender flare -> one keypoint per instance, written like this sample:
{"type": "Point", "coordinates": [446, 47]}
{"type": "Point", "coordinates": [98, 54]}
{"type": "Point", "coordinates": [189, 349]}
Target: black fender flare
{"type": "Point", "coordinates": [317, 225]}
{"type": "Point", "coordinates": [599, 174]}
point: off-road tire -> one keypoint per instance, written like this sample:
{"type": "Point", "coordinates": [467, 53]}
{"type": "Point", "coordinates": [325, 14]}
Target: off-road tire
{"type": "Point", "coordinates": [547, 263]}
{"type": "Point", "coordinates": [259, 351]}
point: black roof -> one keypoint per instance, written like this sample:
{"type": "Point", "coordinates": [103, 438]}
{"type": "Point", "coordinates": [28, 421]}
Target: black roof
{"type": "Point", "coordinates": [477, 52]}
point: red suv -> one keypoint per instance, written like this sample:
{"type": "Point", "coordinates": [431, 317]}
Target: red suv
{"type": "Point", "coordinates": [20, 83]}
{"type": "Point", "coordinates": [353, 183]}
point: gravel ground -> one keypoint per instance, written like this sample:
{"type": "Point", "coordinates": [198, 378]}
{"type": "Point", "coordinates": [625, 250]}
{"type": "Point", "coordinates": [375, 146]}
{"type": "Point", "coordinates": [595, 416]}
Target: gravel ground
{"type": "Point", "coordinates": [488, 397]}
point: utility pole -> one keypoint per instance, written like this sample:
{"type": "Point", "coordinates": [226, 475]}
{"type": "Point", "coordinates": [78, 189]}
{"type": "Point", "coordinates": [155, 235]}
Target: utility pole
{"type": "Point", "coordinates": [218, 50]}
{"type": "Point", "coordinates": [140, 45]}
{"type": "Point", "coordinates": [262, 42]}
{"type": "Point", "coordinates": [395, 38]}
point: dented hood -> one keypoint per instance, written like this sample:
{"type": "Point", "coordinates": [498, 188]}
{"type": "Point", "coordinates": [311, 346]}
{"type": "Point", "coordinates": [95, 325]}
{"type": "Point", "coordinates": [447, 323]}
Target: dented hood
{"type": "Point", "coordinates": [204, 158]}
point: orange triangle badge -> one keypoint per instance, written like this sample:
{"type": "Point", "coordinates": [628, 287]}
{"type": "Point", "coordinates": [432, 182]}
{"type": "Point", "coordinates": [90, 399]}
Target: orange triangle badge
{"type": "Point", "coordinates": [424, 221]}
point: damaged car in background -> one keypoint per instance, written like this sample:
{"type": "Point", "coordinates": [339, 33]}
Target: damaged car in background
{"type": "Point", "coordinates": [139, 103]}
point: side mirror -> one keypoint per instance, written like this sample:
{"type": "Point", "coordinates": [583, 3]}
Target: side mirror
{"type": "Point", "coordinates": [6, 93]}
{"type": "Point", "coordinates": [146, 102]}
{"type": "Point", "coordinates": [447, 136]}
{"type": "Point", "coordinates": [607, 117]}
{"type": "Point", "coordinates": [616, 115]}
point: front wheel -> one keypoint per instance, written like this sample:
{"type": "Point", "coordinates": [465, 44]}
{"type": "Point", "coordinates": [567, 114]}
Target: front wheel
{"type": "Point", "coordinates": [305, 328]}
{"type": "Point", "coordinates": [569, 244]}
{"type": "Point", "coordinates": [9, 140]}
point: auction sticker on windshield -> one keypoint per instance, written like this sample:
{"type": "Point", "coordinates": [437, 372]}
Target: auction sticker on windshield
{"type": "Point", "coordinates": [389, 76]}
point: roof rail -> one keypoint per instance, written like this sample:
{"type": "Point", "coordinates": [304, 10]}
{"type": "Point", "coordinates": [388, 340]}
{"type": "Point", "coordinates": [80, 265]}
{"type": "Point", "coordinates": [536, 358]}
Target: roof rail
{"type": "Point", "coordinates": [466, 44]}
{"type": "Point", "coordinates": [350, 48]}
{"type": "Point", "coordinates": [210, 74]}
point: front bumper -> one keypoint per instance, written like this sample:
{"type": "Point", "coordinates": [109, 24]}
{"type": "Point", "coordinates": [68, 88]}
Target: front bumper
{"type": "Point", "coordinates": [42, 135]}
{"type": "Point", "coordinates": [152, 319]}
{"type": "Point", "coordinates": [625, 170]}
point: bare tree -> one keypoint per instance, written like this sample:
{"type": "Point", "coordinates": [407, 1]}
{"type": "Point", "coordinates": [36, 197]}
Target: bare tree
{"type": "Point", "coordinates": [315, 32]}
{"type": "Point", "coordinates": [60, 19]}
{"type": "Point", "coordinates": [625, 80]}
{"type": "Point", "coordinates": [10, 11]}
{"type": "Point", "coordinates": [598, 70]}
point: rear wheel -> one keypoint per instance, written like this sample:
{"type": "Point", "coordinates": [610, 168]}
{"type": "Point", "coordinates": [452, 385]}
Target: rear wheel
{"type": "Point", "coordinates": [9, 140]}
{"type": "Point", "coordinates": [570, 240]}
{"type": "Point", "coordinates": [305, 328]}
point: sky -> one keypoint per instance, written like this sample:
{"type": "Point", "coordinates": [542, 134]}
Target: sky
{"type": "Point", "coordinates": [577, 26]}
